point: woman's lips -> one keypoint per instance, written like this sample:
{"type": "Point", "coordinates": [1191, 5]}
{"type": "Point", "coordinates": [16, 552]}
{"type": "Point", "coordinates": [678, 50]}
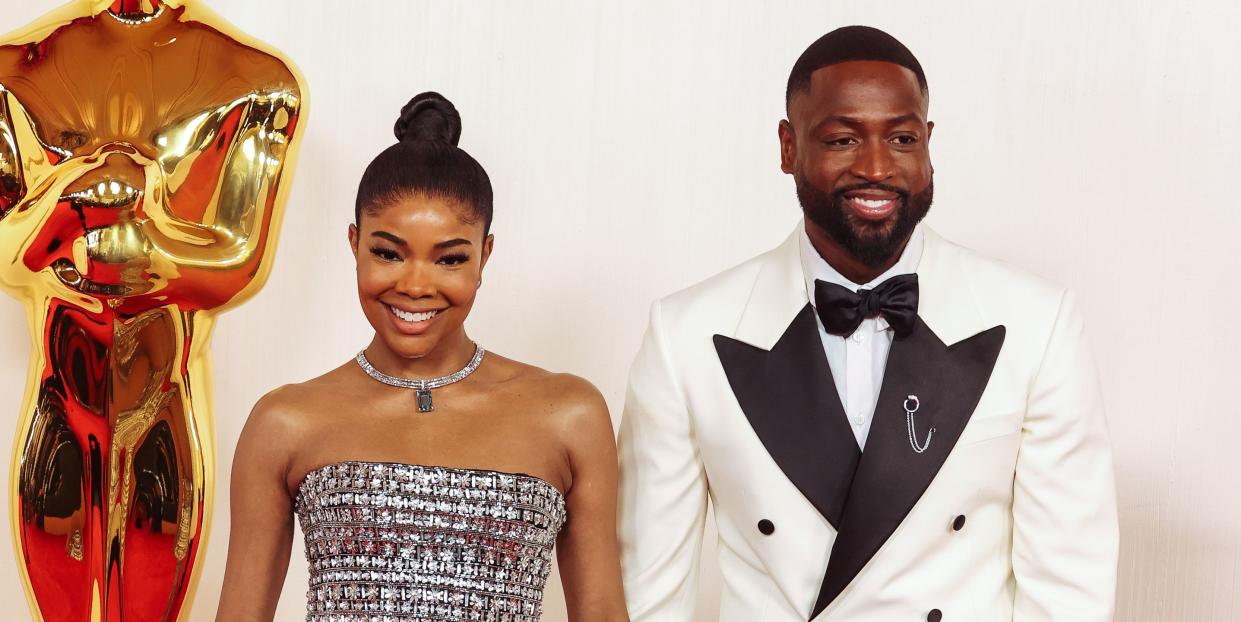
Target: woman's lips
{"type": "Point", "coordinates": [412, 322]}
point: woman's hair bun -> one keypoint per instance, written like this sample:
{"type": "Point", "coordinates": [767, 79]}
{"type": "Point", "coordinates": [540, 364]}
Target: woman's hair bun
{"type": "Point", "coordinates": [429, 116]}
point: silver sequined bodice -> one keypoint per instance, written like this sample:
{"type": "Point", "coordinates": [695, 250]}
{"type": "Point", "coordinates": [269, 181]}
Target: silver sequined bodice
{"type": "Point", "coordinates": [393, 542]}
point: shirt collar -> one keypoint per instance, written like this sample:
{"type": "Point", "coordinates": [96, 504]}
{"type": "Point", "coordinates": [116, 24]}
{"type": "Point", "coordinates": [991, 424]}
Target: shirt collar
{"type": "Point", "coordinates": [814, 267]}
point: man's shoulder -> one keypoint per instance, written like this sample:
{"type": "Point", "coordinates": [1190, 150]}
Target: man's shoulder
{"type": "Point", "coordinates": [997, 279]}
{"type": "Point", "coordinates": [1024, 302]}
{"type": "Point", "coordinates": [723, 294]}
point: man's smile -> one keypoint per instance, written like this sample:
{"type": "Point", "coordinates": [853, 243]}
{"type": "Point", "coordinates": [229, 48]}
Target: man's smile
{"type": "Point", "coordinates": [872, 204]}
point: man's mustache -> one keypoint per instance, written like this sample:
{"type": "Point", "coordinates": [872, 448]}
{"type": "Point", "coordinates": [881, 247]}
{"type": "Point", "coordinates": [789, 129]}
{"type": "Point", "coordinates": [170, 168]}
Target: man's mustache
{"type": "Point", "coordinates": [839, 193]}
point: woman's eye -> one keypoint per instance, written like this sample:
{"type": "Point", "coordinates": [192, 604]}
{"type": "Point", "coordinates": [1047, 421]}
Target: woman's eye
{"type": "Point", "coordinates": [454, 260]}
{"type": "Point", "coordinates": [385, 254]}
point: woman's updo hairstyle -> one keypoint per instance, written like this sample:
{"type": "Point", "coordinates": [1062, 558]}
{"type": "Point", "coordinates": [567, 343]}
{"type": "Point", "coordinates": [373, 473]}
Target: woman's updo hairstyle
{"type": "Point", "coordinates": [426, 162]}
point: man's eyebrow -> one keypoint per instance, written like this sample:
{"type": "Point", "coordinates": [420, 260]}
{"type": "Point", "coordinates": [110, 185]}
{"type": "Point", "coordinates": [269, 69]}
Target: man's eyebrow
{"type": "Point", "coordinates": [905, 118]}
{"type": "Point", "coordinates": [843, 120]}
{"type": "Point", "coordinates": [854, 121]}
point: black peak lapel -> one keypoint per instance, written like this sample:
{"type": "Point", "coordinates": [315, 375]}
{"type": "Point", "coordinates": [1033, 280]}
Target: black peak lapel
{"type": "Point", "coordinates": [789, 397]}
{"type": "Point", "coordinates": [891, 476]}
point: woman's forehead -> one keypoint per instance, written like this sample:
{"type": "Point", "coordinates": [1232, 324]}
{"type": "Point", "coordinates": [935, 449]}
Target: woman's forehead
{"type": "Point", "coordinates": [425, 216]}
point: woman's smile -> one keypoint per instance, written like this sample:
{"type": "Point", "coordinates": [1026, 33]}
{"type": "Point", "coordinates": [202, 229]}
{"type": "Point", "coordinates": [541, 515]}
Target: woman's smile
{"type": "Point", "coordinates": [412, 322]}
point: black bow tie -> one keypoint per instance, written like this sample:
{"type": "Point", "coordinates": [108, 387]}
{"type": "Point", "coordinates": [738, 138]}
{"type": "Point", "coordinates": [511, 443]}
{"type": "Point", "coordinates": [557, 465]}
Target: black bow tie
{"type": "Point", "coordinates": [842, 310]}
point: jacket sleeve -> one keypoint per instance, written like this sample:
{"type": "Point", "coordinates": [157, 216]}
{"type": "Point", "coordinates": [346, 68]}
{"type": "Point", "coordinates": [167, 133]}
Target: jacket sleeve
{"type": "Point", "coordinates": [1065, 536]}
{"type": "Point", "coordinates": [663, 490]}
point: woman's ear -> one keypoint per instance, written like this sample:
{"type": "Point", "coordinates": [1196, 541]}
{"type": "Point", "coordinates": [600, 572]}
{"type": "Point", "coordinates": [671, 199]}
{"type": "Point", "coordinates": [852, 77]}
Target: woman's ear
{"type": "Point", "coordinates": [353, 240]}
{"type": "Point", "coordinates": [488, 244]}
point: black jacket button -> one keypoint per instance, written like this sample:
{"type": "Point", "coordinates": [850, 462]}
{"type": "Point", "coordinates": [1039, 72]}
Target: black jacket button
{"type": "Point", "coordinates": [958, 523]}
{"type": "Point", "coordinates": [934, 616]}
{"type": "Point", "coordinates": [766, 527]}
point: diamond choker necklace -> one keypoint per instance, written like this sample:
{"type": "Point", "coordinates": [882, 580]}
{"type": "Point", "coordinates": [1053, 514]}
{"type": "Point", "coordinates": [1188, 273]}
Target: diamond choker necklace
{"type": "Point", "coordinates": [423, 387]}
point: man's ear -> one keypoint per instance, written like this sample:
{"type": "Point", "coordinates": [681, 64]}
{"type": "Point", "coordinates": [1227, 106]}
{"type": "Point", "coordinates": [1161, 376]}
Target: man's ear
{"type": "Point", "coordinates": [788, 146]}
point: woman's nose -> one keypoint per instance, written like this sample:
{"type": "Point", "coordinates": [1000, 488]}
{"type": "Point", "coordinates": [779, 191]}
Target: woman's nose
{"type": "Point", "coordinates": [416, 282]}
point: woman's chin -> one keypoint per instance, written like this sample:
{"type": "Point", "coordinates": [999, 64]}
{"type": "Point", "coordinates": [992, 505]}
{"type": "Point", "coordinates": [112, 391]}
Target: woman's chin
{"type": "Point", "coordinates": [408, 346]}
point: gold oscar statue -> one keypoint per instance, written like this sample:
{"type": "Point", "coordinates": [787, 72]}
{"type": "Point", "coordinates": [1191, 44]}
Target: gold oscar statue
{"type": "Point", "coordinates": [146, 150]}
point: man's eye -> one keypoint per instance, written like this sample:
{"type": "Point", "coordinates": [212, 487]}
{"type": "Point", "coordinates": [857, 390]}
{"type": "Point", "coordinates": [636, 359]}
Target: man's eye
{"type": "Point", "coordinates": [841, 141]}
{"type": "Point", "coordinates": [905, 139]}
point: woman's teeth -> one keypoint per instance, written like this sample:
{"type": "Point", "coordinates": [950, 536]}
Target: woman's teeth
{"type": "Point", "coordinates": [413, 317]}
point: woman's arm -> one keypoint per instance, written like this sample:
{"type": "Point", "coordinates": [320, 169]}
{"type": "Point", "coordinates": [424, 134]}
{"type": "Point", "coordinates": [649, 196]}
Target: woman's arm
{"type": "Point", "coordinates": [261, 533]}
{"type": "Point", "coordinates": [588, 555]}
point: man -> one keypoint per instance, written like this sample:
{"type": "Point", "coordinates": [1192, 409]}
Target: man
{"type": "Point", "coordinates": [889, 426]}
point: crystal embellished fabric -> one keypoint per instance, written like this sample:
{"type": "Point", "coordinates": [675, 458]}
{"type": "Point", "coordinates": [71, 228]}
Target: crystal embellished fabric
{"type": "Point", "coordinates": [406, 543]}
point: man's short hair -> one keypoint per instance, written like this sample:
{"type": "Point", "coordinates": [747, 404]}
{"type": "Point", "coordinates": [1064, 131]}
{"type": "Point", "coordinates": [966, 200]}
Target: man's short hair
{"type": "Point", "coordinates": [848, 44]}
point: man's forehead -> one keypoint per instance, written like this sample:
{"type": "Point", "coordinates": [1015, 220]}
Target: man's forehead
{"type": "Point", "coordinates": [870, 89]}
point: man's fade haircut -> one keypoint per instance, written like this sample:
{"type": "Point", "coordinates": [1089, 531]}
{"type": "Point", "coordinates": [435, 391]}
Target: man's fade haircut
{"type": "Point", "coordinates": [850, 43]}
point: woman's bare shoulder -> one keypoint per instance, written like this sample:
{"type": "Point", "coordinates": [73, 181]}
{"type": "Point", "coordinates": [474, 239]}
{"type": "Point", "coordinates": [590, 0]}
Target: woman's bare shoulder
{"type": "Point", "coordinates": [292, 410]}
{"type": "Point", "coordinates": [576, 414]}
{"type": "Point", "coordinates": [570, 401]}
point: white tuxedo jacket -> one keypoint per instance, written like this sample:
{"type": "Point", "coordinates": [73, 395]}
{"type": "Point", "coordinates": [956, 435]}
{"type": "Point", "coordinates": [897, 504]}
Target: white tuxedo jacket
{"type": "Point", "coordinates": [1008, 514]}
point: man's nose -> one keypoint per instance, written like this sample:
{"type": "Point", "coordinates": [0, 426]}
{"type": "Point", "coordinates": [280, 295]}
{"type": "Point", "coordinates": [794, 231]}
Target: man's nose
{"type": "Point", "coordinates": [874, 162]}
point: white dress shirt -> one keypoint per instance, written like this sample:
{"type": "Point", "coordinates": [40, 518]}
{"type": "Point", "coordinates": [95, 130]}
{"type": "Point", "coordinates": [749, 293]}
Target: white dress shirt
{"type": "Point", "coordinates": [857, 362]}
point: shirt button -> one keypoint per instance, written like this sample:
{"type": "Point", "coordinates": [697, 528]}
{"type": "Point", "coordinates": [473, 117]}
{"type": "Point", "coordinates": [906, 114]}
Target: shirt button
{"type": "Point", "coordinates": [858, 420]}
{"type": "Point", "coordinates": [858, 336]}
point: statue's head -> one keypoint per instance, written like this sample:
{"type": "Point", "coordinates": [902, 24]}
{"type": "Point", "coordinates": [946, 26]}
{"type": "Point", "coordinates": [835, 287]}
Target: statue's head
{"type": "Point", "coordinates": [141, 155]}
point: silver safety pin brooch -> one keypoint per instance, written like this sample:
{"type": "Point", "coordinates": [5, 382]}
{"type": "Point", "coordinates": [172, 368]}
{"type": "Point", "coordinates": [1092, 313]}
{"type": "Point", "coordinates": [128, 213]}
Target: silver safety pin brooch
{"type": "Point", "coordinates": [911, 406]}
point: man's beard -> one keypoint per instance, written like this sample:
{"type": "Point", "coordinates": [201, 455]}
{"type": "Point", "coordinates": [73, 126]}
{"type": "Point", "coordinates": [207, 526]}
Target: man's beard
{"type": "Point", "coordinates": [872, 243]}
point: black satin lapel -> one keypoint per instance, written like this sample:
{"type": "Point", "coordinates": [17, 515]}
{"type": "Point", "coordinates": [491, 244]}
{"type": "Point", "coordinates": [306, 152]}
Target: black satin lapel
{"type": "Point", "coordinates": [789, 397]}
{"type": "Point", "coordinates": [891, 476]}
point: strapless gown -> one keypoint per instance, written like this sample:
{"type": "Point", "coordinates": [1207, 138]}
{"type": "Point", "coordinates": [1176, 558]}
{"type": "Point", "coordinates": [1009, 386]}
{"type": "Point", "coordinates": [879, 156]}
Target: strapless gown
{"type": "Point", "coordinates": [390, 542]}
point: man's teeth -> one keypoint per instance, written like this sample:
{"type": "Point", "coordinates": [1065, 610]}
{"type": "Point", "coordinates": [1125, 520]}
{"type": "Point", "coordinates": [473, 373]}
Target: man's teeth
{"type": "Point", "coordinates": [872, 203]}
{"type": "Point", "coordinates": [413, 317]}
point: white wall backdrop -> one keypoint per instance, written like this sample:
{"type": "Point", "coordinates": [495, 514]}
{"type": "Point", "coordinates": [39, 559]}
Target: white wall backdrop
{"type": "Point", "coordinates": [633, 150]}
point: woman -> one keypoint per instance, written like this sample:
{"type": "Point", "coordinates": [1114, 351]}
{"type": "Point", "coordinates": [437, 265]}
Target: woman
{"type": "Point", "coordinates": [431, 478]}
